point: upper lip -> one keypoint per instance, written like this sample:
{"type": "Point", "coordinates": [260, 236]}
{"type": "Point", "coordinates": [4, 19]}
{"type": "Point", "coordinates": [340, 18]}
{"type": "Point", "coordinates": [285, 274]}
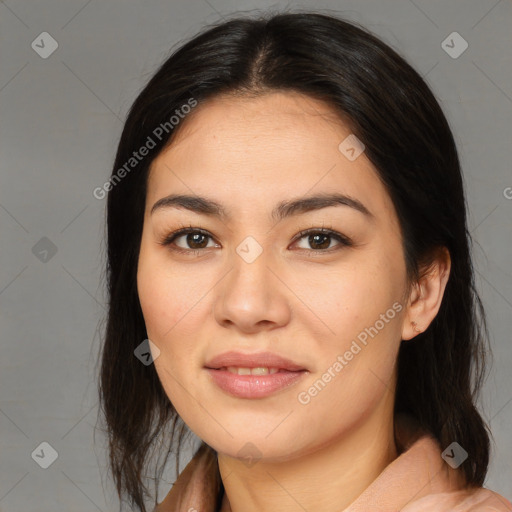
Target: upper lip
{"type": "Point", "coordinates": [257, 360]}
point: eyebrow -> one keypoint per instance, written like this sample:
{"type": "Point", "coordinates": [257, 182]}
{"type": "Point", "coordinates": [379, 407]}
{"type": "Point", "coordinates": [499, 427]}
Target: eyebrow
{"type": "Point", "coordinates": [206, 206]}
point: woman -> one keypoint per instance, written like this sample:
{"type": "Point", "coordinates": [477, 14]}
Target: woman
{"type": "Point", "coordinates": [290, 279]}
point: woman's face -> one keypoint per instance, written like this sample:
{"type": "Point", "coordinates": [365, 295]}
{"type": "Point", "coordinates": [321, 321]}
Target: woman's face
{"type": "Point", "coordinates": [249, 282]}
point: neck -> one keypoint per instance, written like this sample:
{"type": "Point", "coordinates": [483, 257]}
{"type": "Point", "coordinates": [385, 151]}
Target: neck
{"type": "Point", "coordinates": [328, 479]}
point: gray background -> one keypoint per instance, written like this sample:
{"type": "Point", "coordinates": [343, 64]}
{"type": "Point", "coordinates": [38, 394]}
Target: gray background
{"type": "Point", "coordinates": [61, 120]}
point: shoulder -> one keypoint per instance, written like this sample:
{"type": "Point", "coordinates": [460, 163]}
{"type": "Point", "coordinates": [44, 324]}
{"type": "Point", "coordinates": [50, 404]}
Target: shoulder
{"type": "Point", "coordinates": [477, 499]}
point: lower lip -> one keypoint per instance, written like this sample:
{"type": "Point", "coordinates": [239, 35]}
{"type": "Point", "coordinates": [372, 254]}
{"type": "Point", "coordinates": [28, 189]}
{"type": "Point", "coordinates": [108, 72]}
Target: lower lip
{"type": "Point", "coordinates": [254, 386]}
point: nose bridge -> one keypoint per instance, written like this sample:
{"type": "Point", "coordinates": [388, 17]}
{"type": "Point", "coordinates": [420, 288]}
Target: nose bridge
{"type": "Point", "coordinates": [250, 275]}
{"type": "Point", "coordinates": [250, 294]}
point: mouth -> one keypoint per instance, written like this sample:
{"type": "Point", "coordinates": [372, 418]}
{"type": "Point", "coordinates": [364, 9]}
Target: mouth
{"type": "Point", "coordinates": [261, 370]}
{"type": "Point", "coordinates": [256, 361]}
{"type": "Point", "coordinates": [253, 375]}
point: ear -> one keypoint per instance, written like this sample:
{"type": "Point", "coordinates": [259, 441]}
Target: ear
{"type": "Point", "coordinates": [426, 295]}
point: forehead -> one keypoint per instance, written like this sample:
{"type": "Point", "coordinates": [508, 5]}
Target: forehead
{"type": "Point", "coordinates": [257, 151]}
{"type": "Point", "coordinates": [278, 119]}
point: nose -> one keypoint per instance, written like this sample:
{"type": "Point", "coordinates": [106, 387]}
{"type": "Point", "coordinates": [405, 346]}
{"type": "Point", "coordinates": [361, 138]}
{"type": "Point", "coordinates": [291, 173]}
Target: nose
{"type": "Point", "coordinates": [252, 297]}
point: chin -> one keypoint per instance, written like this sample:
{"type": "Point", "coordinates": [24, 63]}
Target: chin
{"type": "Point", "coordinates": [250, 443]}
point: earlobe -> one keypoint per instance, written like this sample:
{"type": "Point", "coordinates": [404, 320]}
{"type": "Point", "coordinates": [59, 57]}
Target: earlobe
{"type": "Point", "coordinates": [410, 326]}
{"type": "Point", "coordinates": [427, 295]}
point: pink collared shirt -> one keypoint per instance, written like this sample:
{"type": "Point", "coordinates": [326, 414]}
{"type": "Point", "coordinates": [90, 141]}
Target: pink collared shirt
{"type": "Point", "coordinates": [418, 480]}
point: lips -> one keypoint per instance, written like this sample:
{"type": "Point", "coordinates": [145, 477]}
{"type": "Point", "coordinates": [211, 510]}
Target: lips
{"type": "Point", "coordinates": [253, 375]}
{"type": "Point", "coordinates": [258, 360]}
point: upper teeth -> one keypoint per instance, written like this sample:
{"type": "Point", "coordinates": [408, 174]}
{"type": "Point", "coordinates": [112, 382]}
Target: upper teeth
{"type": "Point", "coordinates": [252, 371]}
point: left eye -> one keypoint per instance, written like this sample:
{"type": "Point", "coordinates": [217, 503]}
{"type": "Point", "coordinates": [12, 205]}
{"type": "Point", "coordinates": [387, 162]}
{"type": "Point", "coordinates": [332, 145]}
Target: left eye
{"type": "Point", "coordinates": [321, 239]}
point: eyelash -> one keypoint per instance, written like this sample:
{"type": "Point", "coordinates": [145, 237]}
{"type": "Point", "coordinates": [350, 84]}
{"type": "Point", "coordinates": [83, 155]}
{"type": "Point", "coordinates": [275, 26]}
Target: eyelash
{"type": "Point", "coordinates": [171, 237]}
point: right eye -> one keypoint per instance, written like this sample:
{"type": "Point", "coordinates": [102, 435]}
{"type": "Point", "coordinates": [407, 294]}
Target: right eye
{"type": "Point", "coordinates": [193, 240]}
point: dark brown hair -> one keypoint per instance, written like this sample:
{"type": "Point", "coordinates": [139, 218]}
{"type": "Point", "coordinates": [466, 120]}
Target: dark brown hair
{"type": "Point", "coordinates": [390, 108]}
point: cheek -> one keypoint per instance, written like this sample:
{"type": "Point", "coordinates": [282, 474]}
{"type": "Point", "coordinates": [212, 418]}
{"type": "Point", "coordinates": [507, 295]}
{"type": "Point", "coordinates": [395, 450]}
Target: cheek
{"type": "Point", "coordinates": [171, 308]}
{"type": "Point", "coordinates": [167, 307]}
{"type": "Point", "coordinates": [347, 300]}
{"type": "Point", "coordinates": [334, 404]}
{"type": "Point", "coordinates": [167, 299]}
{"type": "Point", "coordinates": [359, 305]}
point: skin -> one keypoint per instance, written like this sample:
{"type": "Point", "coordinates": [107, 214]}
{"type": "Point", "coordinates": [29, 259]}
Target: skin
{"type": "Point", "coordinates": [249, 154]}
